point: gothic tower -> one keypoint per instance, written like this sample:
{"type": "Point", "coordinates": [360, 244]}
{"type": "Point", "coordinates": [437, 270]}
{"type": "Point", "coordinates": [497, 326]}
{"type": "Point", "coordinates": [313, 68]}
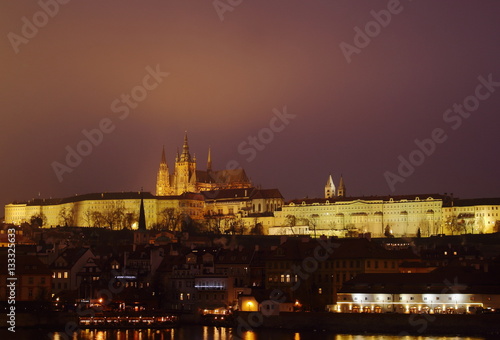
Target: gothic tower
{"type": "Point", "coordinates": [185, 171]}
{"type": "Point", "coordinates": [163, 178]}
{"type": "Point", "coordinates": [341, 191]}
{"type": "Point", "coordinates": [329, 188]}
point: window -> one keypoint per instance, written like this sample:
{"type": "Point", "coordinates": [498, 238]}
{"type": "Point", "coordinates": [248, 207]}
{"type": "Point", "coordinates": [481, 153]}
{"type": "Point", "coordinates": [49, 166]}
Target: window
{"type": "Point", "coordinates": [59, 275]}
{"type": "Point", "coordinates": [65, 275]}
{"type": "Point", "coordinates": [320, 291]}
{"type": "Point", "coordinates": [30, 280]}
{"type": "Point", "coordinates": [42, 280]}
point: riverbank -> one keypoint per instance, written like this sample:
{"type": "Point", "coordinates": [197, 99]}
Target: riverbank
{"type": "Point", "coordinates": [401, 324]}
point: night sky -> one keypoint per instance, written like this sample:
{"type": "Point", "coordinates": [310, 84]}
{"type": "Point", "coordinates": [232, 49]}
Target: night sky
{"type": "Point", "coordinates": [349, 113]}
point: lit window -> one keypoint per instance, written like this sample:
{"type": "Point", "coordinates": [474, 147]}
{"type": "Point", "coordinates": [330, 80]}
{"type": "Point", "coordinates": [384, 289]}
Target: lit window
{"type": "Point", "coordinates": [65, 275]}
{"type": "Point", "coordinates": [59, 275]}
{"type": "Point", "coordinates": [320, 291]}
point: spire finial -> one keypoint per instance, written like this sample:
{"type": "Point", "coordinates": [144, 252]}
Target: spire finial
{"type": "Point", "coordinates": [163, 159]}
{"type": "Point", "coordinates": [185, 157]}
{"type": "Point", "coordinates": [209, 160]}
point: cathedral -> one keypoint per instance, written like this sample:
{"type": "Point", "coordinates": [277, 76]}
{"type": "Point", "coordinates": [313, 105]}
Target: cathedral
{"type": "Point", "coordinates": [187, 178]}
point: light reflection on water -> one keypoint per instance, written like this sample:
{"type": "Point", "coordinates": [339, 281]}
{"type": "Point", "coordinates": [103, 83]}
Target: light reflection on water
{"type": "Point", "coordinates": [214, 333]}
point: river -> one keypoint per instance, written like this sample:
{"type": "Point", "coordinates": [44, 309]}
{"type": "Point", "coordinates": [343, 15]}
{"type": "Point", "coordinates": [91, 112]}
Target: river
{"type": "Point", "coordinates": [213, 333]}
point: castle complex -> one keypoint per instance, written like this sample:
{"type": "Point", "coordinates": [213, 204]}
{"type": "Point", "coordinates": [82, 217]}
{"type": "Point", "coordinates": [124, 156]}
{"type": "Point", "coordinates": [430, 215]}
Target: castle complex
{"type": "Point", "coordinates": [226, 197]}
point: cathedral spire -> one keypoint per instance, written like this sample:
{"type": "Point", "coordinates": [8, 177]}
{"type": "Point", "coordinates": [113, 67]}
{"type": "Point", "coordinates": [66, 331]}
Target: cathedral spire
{"type": "Point", "coordinates": [163, 177]}
{"type": "Point", "coordinates": [185, 157]}
{"type": "Point", "coordinates": [209, 160]}
{"type": "Point", "coordinates": [163, 159]}
{"type": "Point", "coordinates": [142, 215]}
{"type": "Point", "coordinates": [329, 187]}
{"type": "Point", "coordinates": [341, 191]}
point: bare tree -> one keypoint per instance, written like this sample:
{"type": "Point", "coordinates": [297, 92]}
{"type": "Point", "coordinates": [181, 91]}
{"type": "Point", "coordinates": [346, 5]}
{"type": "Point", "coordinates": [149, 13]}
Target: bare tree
{"type": "Point", "coordinates": [215, 223]}
{"type": "Point", "coordinates": [313, 222]}
{"type": "Point", "coordinates": [452, 225]}
{"type": "Point", "coordinates": [87, 217]}
{"type": "Point", "coordinates": [171, 218]}
{"type": "Point", "coordinates": [97, 219]}
{"type": "Point", "coordinates": [290, 222]}
{"type": "Point", "coordinates": [67, 216]}
{"type": "Point", "coordinates": [234, 225]}
{"type": "Point", "coordinates": [425, 227]}
{"type": "Point", "coordinates": [38, 219]}
{"type": "Point", "coordinates": [129, 219]}
{"type": "Point", "coordinates": [114, 214]}
{"type": "Point", "coordinates": [258, 228]}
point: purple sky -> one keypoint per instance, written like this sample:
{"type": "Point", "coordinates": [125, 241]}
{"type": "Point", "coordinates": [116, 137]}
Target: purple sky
{"type": "Point", "coordinates": [226, 77]}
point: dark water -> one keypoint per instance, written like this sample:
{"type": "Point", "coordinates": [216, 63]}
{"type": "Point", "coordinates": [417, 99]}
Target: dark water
{"type": "Point", "coordinates": [200, 332]}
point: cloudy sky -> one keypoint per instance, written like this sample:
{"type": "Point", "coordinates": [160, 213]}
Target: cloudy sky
{"type": "Point", "coordinates": [290, 90]}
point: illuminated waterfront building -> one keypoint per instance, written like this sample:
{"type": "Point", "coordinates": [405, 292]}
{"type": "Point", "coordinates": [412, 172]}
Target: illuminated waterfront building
{"type": "Point", "coordinates": [446, 290]}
